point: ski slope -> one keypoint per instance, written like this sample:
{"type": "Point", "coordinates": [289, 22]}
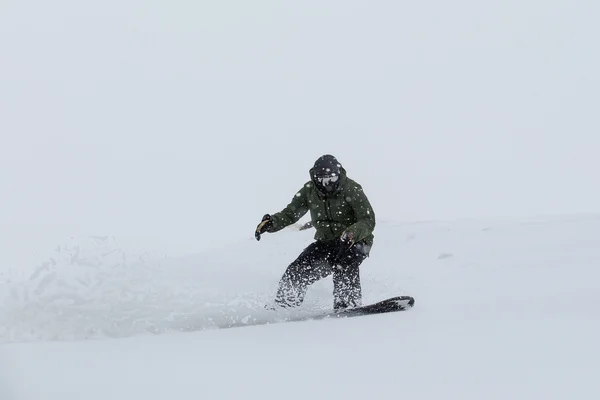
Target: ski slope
{"type": "Point", "coordinates": [506, 308]}
{"type": "Point", "coordinates": [141, 142]}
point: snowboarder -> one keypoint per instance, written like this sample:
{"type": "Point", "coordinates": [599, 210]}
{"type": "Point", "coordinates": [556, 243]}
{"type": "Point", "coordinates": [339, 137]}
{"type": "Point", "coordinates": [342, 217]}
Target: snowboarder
{"type": "Point", "coordinates": [344, 221]}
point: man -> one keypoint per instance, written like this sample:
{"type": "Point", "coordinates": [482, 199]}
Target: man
{"type": "Point", "coordinates": [344, 221]}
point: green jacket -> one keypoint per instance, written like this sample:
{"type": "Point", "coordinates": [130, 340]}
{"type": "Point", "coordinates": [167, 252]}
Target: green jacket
{"type": "Point", "coordinates": [347, 209]}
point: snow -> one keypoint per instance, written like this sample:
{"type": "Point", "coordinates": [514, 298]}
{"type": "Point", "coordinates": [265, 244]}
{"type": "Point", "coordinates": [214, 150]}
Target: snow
{"type": "Point", "coordinates": [512, 314]}
{"type": "Point", "coordinates": [141, 143]}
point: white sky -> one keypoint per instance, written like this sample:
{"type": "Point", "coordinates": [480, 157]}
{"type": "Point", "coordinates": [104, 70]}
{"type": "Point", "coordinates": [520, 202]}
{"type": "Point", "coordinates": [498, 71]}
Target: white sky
{"type": "Point", "coordinates": [183, 122]}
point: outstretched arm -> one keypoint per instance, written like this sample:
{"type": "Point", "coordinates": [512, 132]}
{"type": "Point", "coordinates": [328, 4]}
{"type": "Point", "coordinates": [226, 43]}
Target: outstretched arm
{"type": "Point", "coordinates": [292, 213]}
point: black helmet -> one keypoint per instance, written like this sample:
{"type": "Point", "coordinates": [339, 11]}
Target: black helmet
{"type": "Point", "coordinates": [326, 173]}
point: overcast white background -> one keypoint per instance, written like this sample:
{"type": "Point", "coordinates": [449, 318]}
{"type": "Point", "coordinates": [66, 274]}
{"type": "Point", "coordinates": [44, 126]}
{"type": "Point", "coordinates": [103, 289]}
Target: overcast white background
{"type": "Point", "coordinates": [181, 123]}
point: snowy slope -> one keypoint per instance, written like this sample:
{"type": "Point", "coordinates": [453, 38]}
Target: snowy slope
{"type": "Point", "coordinates": [167, 129]}
{"type": "Point", "coordinates": [505, 309]}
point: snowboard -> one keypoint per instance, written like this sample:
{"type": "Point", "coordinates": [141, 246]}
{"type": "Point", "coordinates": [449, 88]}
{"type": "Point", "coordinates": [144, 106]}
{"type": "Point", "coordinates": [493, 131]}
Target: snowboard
{"type": "Point", "coordinates": [393, 304]}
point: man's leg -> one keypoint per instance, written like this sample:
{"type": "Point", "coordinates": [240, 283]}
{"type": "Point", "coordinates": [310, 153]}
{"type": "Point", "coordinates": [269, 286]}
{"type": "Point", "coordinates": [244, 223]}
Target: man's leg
{"type": "Point", "coordinates": [347, 292]}
{"type": "Point", "coordinates": [310, 266]}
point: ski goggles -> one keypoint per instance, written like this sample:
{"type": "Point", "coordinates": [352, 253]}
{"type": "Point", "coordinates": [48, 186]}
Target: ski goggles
{"type": "Point", "coordinates": [325, 180]}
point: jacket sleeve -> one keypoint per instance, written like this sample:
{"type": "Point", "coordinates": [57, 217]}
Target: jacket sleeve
{"type": "Point", "coordinates": [292, 213]}
{"type": "Point", "coordinates": [365, 216]}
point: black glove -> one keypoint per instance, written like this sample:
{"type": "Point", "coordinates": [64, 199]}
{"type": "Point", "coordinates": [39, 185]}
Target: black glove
{"type": "Point", "coordinates": [265, 224]}
{"type": "Point", "coordinates": [345, 243]}
{"type": "Point", "coordinates": [348, 239]}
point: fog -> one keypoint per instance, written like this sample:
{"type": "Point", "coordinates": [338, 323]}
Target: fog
{"type": "Point", "coordinates": [178, 124]}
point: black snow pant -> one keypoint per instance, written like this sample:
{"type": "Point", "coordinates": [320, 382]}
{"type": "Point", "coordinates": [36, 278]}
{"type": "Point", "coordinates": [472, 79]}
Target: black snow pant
{"type": "Point", "coordinates": [317, 261]}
